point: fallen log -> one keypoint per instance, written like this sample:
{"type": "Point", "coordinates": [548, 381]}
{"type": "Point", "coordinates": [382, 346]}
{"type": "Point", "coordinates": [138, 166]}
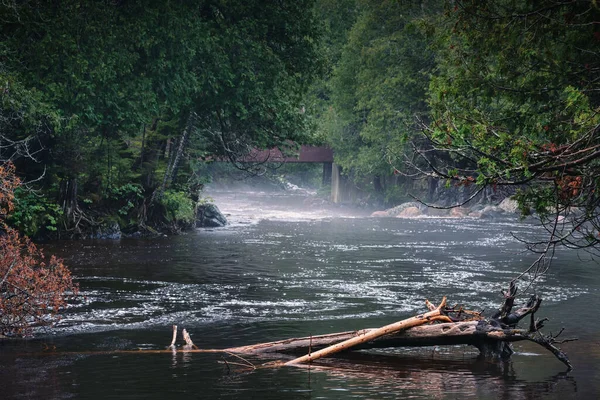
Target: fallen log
{"type": "Point", "coordinates": [449, 333]}
{"type": "Point", "coordinates": [433, 315]}
{"type": "Point", "coordinates": [492, 337]}
{"type": "Point", "coordinates": [486, 337]}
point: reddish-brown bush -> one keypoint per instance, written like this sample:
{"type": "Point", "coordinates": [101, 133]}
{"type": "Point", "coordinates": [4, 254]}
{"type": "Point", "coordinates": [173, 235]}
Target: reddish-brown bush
{"type": "Point", "coordinates": [32, 291]}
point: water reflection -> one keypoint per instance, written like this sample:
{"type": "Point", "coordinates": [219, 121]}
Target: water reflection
{"type": "Point", "coordinates": [357, 375]}
{"type": "Point", "coordinates": [438, 378]}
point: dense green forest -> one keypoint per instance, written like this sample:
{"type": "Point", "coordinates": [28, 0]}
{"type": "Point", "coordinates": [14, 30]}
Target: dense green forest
{"type": "Point", "coordinates": [476, 96]}
{"type": "Point", "coordinates": [109, 109]}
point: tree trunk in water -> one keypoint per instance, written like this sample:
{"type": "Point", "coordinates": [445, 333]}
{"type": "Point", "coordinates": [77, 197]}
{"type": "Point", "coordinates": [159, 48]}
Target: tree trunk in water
{"type": "Point", "coordinates": [430, 316]}
{"type": "Point", "coordinates": [488, 338]}
{"type": "Point", "coordinates": [492, 337]}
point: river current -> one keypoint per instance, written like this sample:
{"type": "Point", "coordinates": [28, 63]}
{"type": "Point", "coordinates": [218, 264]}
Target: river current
{"type": "Point", "coordinates": [287, 267]}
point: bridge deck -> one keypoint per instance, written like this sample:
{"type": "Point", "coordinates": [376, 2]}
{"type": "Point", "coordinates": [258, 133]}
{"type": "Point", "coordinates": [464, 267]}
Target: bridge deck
{"type": "Point", "coordinates": [307, 154]}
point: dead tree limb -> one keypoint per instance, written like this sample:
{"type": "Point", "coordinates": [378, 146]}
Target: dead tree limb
{"type": "Point", "coordinates": [174, 338]}
{"type": "Point", "coordinates": [434, 315]}
{"type": "Point", "coordinates": [483, 335]}
{"type": "Point", "coordinates": [492, 337]}
{"type": "Point", "coordinates": [188, 340]}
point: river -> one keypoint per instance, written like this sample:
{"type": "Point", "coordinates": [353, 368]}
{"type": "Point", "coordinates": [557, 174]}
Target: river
{"type": "Point", "coordinates": [285, 268]}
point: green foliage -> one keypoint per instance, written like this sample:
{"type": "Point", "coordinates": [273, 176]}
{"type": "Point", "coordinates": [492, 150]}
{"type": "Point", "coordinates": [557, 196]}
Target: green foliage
{"type": "Point", "coordinates": [505, 91]}
{"type": "Point", "coordinates": [509, 89]}
{"type": "Point", "coordinates": [125, 201]}
{"type": "Point", "coordinates": [395, 195]}
{"type": "Point", "coordinates": [378, 85]}
{"type": "Point", "coordinates": [104, 90]}
{"type": "Point", "coordinates": [34, 214]}
{"type": "Point", "coordinates": [514, 84]}
{"type": "Point", "coordinates": [204, 200]}
{"type": "Point", "coordinates": [178, 206]}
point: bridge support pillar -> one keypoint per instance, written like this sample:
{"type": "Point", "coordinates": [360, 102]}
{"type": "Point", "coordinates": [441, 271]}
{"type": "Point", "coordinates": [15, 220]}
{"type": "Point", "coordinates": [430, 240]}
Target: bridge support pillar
{"type": "Point", "coordinates": [327, 174]}
{"type": "Point", "coordinates": [338, 184]}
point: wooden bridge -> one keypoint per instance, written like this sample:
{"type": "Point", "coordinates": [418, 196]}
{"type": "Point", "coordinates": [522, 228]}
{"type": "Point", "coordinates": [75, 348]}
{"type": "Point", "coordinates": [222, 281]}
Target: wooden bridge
{"type": "Point", "coordinates": [307, 154]}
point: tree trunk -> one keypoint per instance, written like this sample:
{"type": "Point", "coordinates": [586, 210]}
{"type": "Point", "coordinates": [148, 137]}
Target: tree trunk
{"type": "Point", "coordinates": [173, 165]}
{"type": "Point", "coordinates": [491, 340]}
{"type": "Point", "coordinates": [476, 333]}
{"type": "Point", "coordinates": [374, 334]}
{"type": "Point", "coordinates": [68, 198]}
{"type": "Point", "coordinates": [491, 336]}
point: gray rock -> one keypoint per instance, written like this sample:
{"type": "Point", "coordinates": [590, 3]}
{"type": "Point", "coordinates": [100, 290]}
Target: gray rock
{"type": "Point", "coordinates": [392, 212]}
{"type": "Point", "coordinates": [380, 214]}
{"type": "Point", "coordinates": [477, 207]}
{"type": "Point", "coordinates": [209, 216]}
{"type": "Point", "coordinates": [459, 212]}
{"type": "Point", "coordinates": [409, 212]}
{"type": "Point", "coordinates": [491, 212]}
{"type": "Point", "coordinates": [108, 230]}
{"type": "Point", "coordinates": [509, 205]}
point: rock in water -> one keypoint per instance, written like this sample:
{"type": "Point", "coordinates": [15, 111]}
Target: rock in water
{"type": "Point", "coordinates": [107, 230]}
{"type": "Point", "coordinates": [509, 205]}
{"type": "Point", "coordinates": [393, 212]}
{"type": "Point", "coordinates": [380, 214]}
{"type": "Point", "coordinates": [491, 212]}
{"type": "Point", "coordinates": [409, 212]}
{"type": "Point", "coordinates": [209, 216]}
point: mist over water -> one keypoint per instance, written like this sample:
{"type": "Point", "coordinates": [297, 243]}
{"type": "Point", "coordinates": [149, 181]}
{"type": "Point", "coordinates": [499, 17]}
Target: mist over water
{"type": "Point", "coordinates": [245, 204]}
{"type": "Point", "coordinates": [289, 265]}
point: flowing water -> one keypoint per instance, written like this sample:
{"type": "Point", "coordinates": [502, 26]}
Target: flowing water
{"type": "Point", "coordinates": [286, 269]}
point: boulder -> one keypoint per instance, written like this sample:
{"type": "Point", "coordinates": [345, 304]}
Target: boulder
{"type": "Point", "coordinates": [409, 212]}
{"type": "Point", "coordinates": [107, 230]}
{"type": "Point", "coordinates": [209, 216]}
{"type": "Point", "coordinates": [509, 205]}
{"type": "Point", "coordinates": [459, 212]}
{"type": "Point", "coordinates": [491, 212]}
{"type": "Point", "coordinates": [380, 214]}
{"type": "Point", "coordinates": [392, 212]}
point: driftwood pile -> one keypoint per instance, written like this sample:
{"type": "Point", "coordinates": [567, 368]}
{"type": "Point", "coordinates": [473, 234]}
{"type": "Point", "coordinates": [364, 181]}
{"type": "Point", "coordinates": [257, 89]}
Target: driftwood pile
{"type": "Point", "coordinates": [441, 325]}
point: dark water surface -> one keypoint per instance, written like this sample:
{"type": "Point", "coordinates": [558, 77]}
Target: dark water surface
{"type": "Point", "coordinates": [298, 273]}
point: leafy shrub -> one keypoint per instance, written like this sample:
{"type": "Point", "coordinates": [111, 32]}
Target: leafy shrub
{"type": "Point", "coordinates": [178, 207]}
{"type": "Point", "coordinates": [34, 213]}
{"type": "Point", "coordinates": [32, 292]}
{"type": "Point", "coordinates": [124, 199]}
